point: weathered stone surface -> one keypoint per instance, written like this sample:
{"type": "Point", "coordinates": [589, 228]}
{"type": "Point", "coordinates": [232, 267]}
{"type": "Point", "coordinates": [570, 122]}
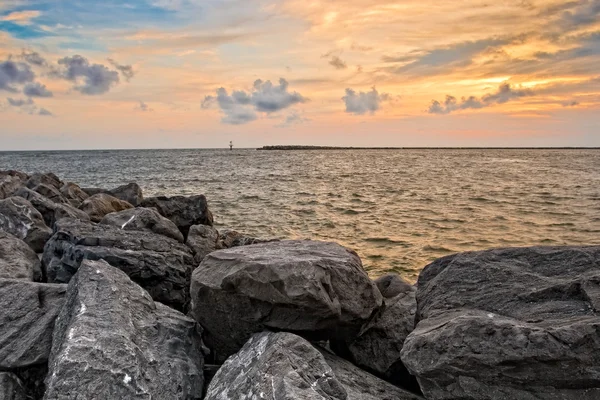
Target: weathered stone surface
{"type": "Point", "coordinates": [8, 185]}
{"type": "Point", "coordinates": [131, 193]}
{"type": "Point", "coordinates": [47, 179]}
{"type": "Point", "coordinates": [11, 172]}
{"type": "Point", "coordinates": [517, 323]}
{"type": "Point", "coordinates": [143, 219]}
{"type": "Point", "coordinates": [11, 387]}
{"type": "Point", "coordinates": [159, 264]}
{"type": "Point", "coordinates": [229, 238]}
{"type": "Point", "coordinates": [202, 239]}
{"type": "Point", "coordinates": [27, 314]}
{"type": "Point", "coordinates": [73, 193]}
{"type": "Point", "coordinates": [112, 341]}
{"type": "Point", "coordinates": [377, 348]}
{"type": "Point", "coordinates": [51, 211]}
{"type": "Point", "coordinates": [317, 289]}
{"type": "Point", "coordinates": [284, 366]}
{"type": "Point", "coordinates": [93, 191]}
{"type": "Point", "coordinates": [19, 218]}
{"type": "Point", "coordinates": [98, 205]}
{"type": "Point", "coordinates": [50, 192]}
{"type": "Point", "coordinates": [183, 211]}
{"type": "Point", "coordinates": [18, 260]}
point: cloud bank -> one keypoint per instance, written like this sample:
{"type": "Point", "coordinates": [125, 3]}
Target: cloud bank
{"type": "Point", "coordinates": [95, 78]}
{"type": "Point", "coordinates": [505, 93]}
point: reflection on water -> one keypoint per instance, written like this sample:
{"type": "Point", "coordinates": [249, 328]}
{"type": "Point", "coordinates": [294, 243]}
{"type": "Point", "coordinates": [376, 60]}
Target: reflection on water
{"type": "Point", "coordinates": [399, 209]}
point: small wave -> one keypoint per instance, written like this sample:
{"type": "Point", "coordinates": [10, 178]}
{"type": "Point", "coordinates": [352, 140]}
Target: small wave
{"type": "Point", "coordinates": [439, 249]}
{"type": "Point", "coordinates": [384, 240]}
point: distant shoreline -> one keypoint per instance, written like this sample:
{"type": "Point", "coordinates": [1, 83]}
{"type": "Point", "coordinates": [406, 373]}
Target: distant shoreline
{"type": "Point", "coordinates": [302, 147]}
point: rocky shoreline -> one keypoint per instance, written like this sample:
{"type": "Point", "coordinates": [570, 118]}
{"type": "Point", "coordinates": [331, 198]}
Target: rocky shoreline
{"type": "Point", "coordinates": [106, 294]}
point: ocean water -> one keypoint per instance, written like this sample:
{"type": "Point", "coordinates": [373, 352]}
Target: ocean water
{"type": "Point", "coordinates": [399, 209]}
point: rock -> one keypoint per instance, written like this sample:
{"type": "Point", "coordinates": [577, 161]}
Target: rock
{"type": "Point", "coordinates": [516, 323]}
{"type": "Point", "coordinates": [159, 264]}
{"type": "Point", "coordinates": [112, 341]}
{"type": "Point", "coordinates": [19, 218]}
{"type": "Point", "coordinates": [284, 366]}
{"type": "Point", "coordinates": [11, 172]}
{"type": "Point", "coordinates": [131, 193]}
{"type": "Point", "coordinates": [11, 387]}
{"type": "Point", "coordinates": [51, 211]}
{"type": "Point", "coordinates": [183, 211]}
{"type": "Point", "coordinates": [47, 179]}
{"type": "Point", "coordinates": [51, 193]}
{"type": "Point", "coordinates": [143, 219]}
{"type": "Point", "coordinates": [73, 193]}
{"type": "Point", "coordinates": [92, 191]}
{"type": "Point", "coordinates": [27, 314]}
{"type": "Point", "coordinates": [98, 205]}
{"type": "Point", "coordinates": [9, 185]}
{"type": "Point", "coordinates": [228, 239]}
{"type": "Point", "coordinates": [377, 348]}
{"type": "Point", "coordinates": [202, 239]}
{"type": "Point", "coordinates": [316, 289]}
{"type": "Point", "coordinates": [18, 260]}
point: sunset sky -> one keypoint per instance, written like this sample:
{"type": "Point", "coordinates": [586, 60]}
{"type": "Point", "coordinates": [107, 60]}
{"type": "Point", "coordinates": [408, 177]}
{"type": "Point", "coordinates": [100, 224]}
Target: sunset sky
{"type": "Point", "coordinates": [78, 74]}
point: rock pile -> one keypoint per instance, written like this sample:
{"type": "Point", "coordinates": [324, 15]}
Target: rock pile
{"type": "Point", "coordinates": [102, 314]}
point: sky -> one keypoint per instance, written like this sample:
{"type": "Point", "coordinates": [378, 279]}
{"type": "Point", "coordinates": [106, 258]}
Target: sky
{"type": "Point", "coordinates": [87, 74]}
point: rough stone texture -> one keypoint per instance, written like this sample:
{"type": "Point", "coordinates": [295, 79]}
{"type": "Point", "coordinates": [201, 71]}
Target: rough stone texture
{"type": "Point", "coordinates": [143, 219]}
{"type": "Point", "coordinates": [228, 239]}
{"type": "Point", "coordinates": [11, 387]}
{"type": "Point", "coordinates": [284, 366]}
{"type": "Point", "coordinates": [19, 218]}
{"type": "Point", "coordinates": [517, 323]}
{"type": "Point", "coordinates": [202, 239]}
{"type": "Point", "coordinates": [377, 348]}
{"type": "Point", "coordinates": [8, 185]}
{"type": "Point", "coordinates": [112, 341]}
{"type": "Point", "coordinates": [131, 193]}
{"type": "Point", "coordinates": [18, 260]}
{"type": "Point", "coordinates": [98, 205]}
{"type": "Point", "coordinates": [317, 289]}
{"type": "Point", "coordinates": [183, 211]}
{"type": "Point", "coordinates": [73, 193]}
{"type": "Point", "coordinates": [51, 193]}
{"type": "Point", "coordinates": [51, 211]}
{"type": "Point", "coordinates": [27, 314]}
{"type": "Point", "coordinates": [159, 264]}
{"type": "Point", "coordinates": [11, 172]}
{"type": "Point", "coordinates": [47, 179]}
{"type": "Point", "coordinates": [93, 191]}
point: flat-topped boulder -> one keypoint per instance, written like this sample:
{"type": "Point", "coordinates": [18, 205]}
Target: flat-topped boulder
{"type": "Point", "coordinates": [377, 348]}
{"type": "Point", "coordinates": [183, 211]}
{"type": "Point", "coordinates": [159, 264]}
{"type": "Point", "coordinates": [51, 193]}
{"type": "Point", "coordinates": [316, 289]}
{"type": "Point", "coordinates": [131, 193]}
{"type": "Point", "coordinates": [18, 260]}
{"type": "Point", "coordinates": [101, 204]}
{"type": "Point", "coordinates": [112, 341]}
{"type": "Point", "coordinates": [19, 218]}
{"type": "Point", "coordinates": [284, 366]}
{"type": "Point", "coordinates": [11, 387]}
{"type": "Point", "coordinates": [51, 211]}
{"type": "Point", "coordinates": [143, 219]}
{"type": "Point", "coordinates": [515, 323]}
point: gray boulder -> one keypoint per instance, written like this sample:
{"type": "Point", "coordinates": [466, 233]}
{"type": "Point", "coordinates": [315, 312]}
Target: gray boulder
{"type": "Point", "coordinates": [317, 289]}
{"type": "Point", "coordinates": [19, 218]}
{"type": "Point", "coordinates": [18, 260]}
{"type": "Point", "coordinates": [28, 311]}
{"type": "Point", "coordinates": [47, 179]}
{"type": "Point", "coordinates": [11, 387]}
{"type": "Point", "coordinates": [284, 366]}
{"type": "Point", "coordinates": [183, 211]}
{"type": "Point", "coordinates": [101, 204]}
{"type": "Point", "coordinates": [159, 264]}
{"type": "Point", "coordinates": [51, 193]}
{"type": "Point", "coordinates": [202, 239]}
{"type": "Point", "coordinates": [11, 172]}
{"type": "Point", "coordinates": [377, 348]}
{"type": "Point", "coordinates": [8, 185]}
{"type": "Point", "coordinates": [51, 211]}
{"type": "Point", "coordinates": [73, 194]}
{"type": "Point", "coordinates": [93, 191]}
{"type": "Point", "coordinates": [131, 193]}
{"type": "Point", "coordinates": [112, 341]}
{"type": "Point", "coordinates": [143, 219]}
{"type": "Point", "coordinates": [516, 323]}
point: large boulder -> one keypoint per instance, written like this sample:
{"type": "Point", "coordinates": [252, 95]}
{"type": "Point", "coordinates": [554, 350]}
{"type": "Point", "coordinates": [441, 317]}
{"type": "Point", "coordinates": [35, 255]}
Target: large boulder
{"type": "Point", "coordinates": [47, 179]}
{"type": "Point", "coordinates": [317, 289]}
{"type": "Point", "coordinates": [516, 323]}
{"type": "Point", "coordinates": [11, 387]}
{"type": "Point", "coordinates": [8, 185]}
{"type": "Point", "coordinates": [11, 172]}
{"type": "Point", "coordinates": [202, 239]}
{"type": "Point", "coordinates": [284, 366]}
{"type": "Point", "coordinates": [378, 346]}
{"type": "Point", "coordinates": [183, 211]}
{"type": "Point", "coordinates": [143, 219]}
{"type": "Point", "coordinates": [51, 211]}
{"type": "Point", "coordinates": [18, 260]}
{"type": "Point", "coordinates": [131, 193]}
{"type": "Point", "coordinates": [50, 192]}
{"type": "Point", "coordinates": [112, 341]}
{"type": "Point", "coordinates": [159, 264]}
{"type": "Point", "coordinates": [73, 194]}
{"type": "Point", "coordinates": [98, 205]}
{"type": "Point", "coordinates": [19, 218]}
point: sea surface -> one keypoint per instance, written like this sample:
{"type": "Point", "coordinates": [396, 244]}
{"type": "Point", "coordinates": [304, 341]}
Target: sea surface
{"type": "Point", "coordinates": [399, 209]}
